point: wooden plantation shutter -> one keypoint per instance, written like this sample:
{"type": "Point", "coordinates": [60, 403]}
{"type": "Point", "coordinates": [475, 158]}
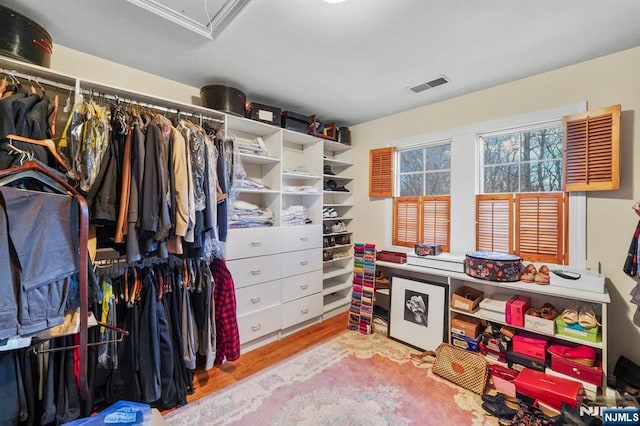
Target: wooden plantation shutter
{"type": "Point", "coordinates": [406, 221]}
{"type": "Point", "coordinates": [435, 220]}
{"type": "Point", "coordinates": [591, 152]}
{"type": "Point", "coordinates": [540, 226]}
{"type": "Point", "coordinates": [494, 222]}
{"type": "Point", "coordinates": [381, 172]}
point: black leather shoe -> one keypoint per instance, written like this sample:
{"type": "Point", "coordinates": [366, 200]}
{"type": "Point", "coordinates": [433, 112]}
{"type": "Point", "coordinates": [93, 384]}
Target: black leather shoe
{"type": "Point", "coordinates": [499, 397]}
{"type": "Point", "coordinates": [499, 409]}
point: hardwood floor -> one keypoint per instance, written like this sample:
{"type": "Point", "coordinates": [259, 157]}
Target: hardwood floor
{"type": "Point", "coordinates": [207, 382]}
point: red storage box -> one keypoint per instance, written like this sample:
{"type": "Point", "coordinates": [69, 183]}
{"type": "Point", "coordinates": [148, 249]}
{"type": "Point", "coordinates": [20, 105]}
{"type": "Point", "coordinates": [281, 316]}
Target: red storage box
{"type": "Point", "coordinates": [549, 389]}
{"type": "Point", "coordinates": [532, 345]}
{"type": "Point", "coordinates": [503, 379]}
{"type": "Point", "coordinates": [591, 375]}
{"type": "Point", "coordinates": [516, 307]}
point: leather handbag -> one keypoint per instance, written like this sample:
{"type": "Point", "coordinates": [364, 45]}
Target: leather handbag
{"type": "Point", "coordinates": [467, 369]}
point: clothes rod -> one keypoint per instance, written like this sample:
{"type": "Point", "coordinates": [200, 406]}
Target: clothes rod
{"type": "Point", "coordinates": [117, 98]}
{"type": "Point", "coordinates": [28, 77]}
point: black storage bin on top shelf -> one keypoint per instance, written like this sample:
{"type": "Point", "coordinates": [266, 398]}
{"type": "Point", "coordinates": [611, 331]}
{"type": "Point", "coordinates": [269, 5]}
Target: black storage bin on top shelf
{"type": "Point", "coordinates": [294, 121]}
{"type": "Point", "coordinates": [264, 113]}
{"type": "Point", "coordinates": [23, 39]}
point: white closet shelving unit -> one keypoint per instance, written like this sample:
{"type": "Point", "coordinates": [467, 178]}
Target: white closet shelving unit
{"type": "Point", "coordinates": [337, 273]}
{"type": "Point", "coordinates": [277, 270]}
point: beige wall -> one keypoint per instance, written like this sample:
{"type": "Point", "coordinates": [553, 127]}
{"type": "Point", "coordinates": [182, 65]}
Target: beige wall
{"type": "Point", "coordinates": [100, 70]}
{"type": "Point", "coordinates": [605, 81]}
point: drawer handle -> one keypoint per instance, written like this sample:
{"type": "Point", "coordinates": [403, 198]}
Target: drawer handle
{"type": "Point", "coordinates": [256, 327]}
{"type": "Point", "coordinates": [255, 299]}
{"type": "Point", "coordinates": [304, 311]}
{"type": "Point", "coordinates": [304, 262]}
{"type": "Point", "coordinates": [304, 286]}
{"type": "Point", "coordinates": [304, 238]}
{"type": "Point", "coordinates": [256, 271]}
{"type": "Point", "coordinates": [256, 243]}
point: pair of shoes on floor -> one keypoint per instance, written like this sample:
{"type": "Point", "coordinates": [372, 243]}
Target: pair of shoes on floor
{"type": "Point", "coordinates": [533, 275]}
{"type": "Point", "coordinates": [500, 405]}
{"type": "Point", "coordinates": [584, 316]}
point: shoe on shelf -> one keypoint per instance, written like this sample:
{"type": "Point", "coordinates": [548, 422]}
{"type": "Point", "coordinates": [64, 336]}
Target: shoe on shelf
{"type": "Point", "coordinates": [542, 277]}
{"type": "Point", "coordinates": [529, 273]}
{"type": "Point", "coordinates": [338, 227]}
{"type": "Point", "coordinates": [329, 212]}
{"type": "Point", "coordinates": [381, 280]}
{"type": "Point", "coordinates": [587, 318]}
{"type": "Point", "coordinates": [570, 315]}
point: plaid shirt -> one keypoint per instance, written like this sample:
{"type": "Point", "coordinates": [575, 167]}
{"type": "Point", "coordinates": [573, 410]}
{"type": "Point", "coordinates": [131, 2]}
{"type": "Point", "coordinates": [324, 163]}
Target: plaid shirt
{"type": "Point", "coordinates": [224, 296]}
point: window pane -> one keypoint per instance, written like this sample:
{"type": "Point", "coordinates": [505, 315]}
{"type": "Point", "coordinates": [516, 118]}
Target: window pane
{"type": "Point", "coordinates": [501, 179]}
{"type": "Point", "coordinates": [501, 148]}
{"type": "Point", "coordinates": [411, 185]}
{"type": "Point", "coordinates": [437, 183]}
{"type": "Point", "coordinates": [438, 157]}
{"type": "Point", "coordinates": [412, 161]}
{"type": "Point", "coordinates": [542, 144]}
{"type": "Point", "coordinates": [541, 176]}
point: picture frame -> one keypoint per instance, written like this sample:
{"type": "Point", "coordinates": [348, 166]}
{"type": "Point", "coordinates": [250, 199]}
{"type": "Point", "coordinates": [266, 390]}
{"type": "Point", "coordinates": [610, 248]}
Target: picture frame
{"type": "Point", "coordinates": [418, 314]}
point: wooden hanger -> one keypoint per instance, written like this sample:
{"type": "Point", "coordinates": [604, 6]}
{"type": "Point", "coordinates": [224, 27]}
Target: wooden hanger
{"type": "Point", "coordinates": [47, 143]}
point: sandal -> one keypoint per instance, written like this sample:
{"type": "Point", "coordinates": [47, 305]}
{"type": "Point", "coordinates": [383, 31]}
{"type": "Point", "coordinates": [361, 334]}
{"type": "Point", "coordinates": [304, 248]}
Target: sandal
{"type": "Point", "coordinates": [570, 315]}
{"type": "Point", "coordinates": [587, 319]}
{"type": "Point", "coordinates": [548, 311]}
{"type": "Point", "coordinates": [542, 277]}
{"type": "Point", "coordinates": [529, 273]}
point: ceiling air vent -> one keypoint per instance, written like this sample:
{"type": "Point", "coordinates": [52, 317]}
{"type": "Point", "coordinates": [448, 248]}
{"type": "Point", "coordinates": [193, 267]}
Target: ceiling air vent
{"type": "Point", "coordinates": [429, 84]}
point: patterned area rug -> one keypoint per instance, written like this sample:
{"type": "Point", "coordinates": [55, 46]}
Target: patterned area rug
{"type": "Point", "coordinates": [353, 379]}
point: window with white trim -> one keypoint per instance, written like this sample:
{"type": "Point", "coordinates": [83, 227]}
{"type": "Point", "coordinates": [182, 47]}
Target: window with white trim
{"type": "Point", "coordinates": [421, 208]}
{"type": "Point", "coordinates": [521, 207]}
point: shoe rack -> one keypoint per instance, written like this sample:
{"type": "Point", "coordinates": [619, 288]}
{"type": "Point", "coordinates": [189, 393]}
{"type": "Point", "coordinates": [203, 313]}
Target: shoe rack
{"type": "Point", "coordinates": [362, 293]}
{"type": "Point", "coordinates": [338, 227]}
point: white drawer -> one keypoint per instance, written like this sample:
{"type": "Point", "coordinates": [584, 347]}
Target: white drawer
{"type": "Point", "coordinates": [255, 270]}
{"type": "Point", "coordinates": [300, 310]}
{"type": "Point", "coordinates": [303, 237]}
{"type": "Point", "coordinates": [259, 323]}
{"type": "Point", "coordinates": [249, 242]}
{"type": "Point", "coordinates": [300, 262]}
{"type": "Point", "coordinates": [301, 285]}
{"type": "Point", "coordinates": [259, 296]}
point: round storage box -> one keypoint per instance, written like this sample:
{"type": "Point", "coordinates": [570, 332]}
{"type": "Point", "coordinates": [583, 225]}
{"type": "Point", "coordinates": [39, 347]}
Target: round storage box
{"type": "Point", "coordinates": [493, 266]}
{"type": "Point", "coordinates": [224, 98]}
{"type": "Point", "coordinates": [23, 39]}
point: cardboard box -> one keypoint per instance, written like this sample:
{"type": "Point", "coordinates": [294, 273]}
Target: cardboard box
{"type": "Point", "coordinates": [590, 389]}
{"type": "Point", "coordinates": [574, 330]}
{"type": "Point", "coordinates": [443, 261]}
{"type": "Point", "coordinates": [531, 345]}
{"type": "Point", "coordinates": [503, 379]}
{"type": "Point", "coordinates": [494, 308]}
{"type": "Point", "coordinates": [578, 371]}
{"type": "Point", "coordinates": [519, 362]}
{"type": "Point", "coordinates": [466, 299]}
{"type": "Point", "coordinates": [539, 325]}
{"type": "Point", "coordinates": [516, 308]}
{"type": "Point", "coordinates": [553, 390]}
{"type": "Point", "coordinates": [466, 326]}
{"type": "Point", "coordinates": [466, 343]}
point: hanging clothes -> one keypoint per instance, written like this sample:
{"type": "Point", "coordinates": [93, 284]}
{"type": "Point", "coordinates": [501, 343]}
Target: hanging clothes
{"type": "Point", "coordinates": [227, 335]}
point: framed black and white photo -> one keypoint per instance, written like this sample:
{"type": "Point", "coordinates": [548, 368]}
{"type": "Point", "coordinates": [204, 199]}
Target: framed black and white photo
{"type": "Point", "coordinates": [417, 314]}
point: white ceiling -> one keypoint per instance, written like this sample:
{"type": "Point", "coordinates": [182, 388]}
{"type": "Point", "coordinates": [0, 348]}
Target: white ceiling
{"type": "Point", "coordinates": [349, 62]}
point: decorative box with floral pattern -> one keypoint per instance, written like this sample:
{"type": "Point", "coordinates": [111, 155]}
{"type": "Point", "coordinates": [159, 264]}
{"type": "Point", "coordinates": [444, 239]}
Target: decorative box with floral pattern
{"type": "Point", "coordinates": [493, 266]}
